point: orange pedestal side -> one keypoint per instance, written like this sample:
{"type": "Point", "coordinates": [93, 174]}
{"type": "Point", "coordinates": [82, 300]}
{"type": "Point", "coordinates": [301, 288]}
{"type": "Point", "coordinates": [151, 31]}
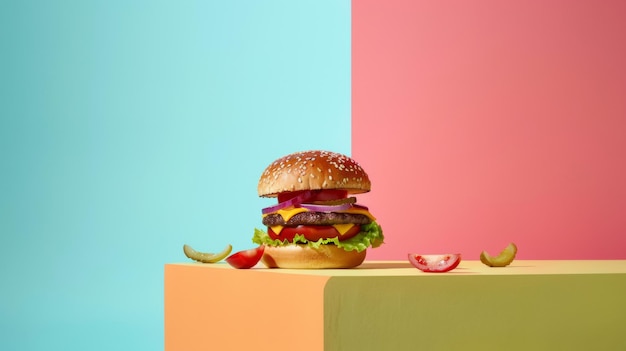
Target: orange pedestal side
{"type": "Point", "coordinates": [530, 305]}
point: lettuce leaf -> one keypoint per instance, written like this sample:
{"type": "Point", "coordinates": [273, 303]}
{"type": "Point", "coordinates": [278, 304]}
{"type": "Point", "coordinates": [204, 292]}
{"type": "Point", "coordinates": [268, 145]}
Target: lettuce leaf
{"type": "Point", "coordinates": [371, 235]}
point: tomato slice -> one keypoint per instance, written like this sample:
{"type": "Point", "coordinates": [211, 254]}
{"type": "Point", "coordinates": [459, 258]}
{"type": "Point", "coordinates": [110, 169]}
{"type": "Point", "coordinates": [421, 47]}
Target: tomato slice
{"type": "Point", "coordinates": [313, 232]}
{"type": "Point", "coordinates": [246, 258]}
{"type": "Point", "coordinates": [316, 195]}
{"type": "Point", "coordinates": [435, 263]}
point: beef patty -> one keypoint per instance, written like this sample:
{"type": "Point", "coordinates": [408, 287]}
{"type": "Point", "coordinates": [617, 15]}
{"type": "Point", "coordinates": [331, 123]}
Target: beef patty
{"type": "Point", "coordinates": [316, 218]}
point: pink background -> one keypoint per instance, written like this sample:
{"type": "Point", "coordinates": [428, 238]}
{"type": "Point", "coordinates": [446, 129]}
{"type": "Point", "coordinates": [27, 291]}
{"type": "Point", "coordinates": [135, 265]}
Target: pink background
{"type": "Point", "coordinates": [486, 122]}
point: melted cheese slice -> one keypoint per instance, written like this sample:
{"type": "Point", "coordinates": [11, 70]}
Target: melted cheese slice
{"type": "Point", "coordinates": [343, 228]}
{"type": "Point", "coordinates": [360, 211]}
{"type": "Point", "coordinates": [289, 212]}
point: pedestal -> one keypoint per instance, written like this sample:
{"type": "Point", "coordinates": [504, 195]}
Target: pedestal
{"type": "Point", "coordinates": [530, 305]}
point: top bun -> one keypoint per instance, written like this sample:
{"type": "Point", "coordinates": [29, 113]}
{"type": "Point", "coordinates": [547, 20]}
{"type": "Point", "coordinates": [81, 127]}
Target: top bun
{"type": "Point", "coordinates": [313, 170]}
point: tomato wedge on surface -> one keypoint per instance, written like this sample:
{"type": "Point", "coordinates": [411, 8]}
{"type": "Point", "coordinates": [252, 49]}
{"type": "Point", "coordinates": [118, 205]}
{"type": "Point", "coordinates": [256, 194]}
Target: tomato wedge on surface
{"type": "Point", "coordinates": [246, 258]}
{"type": "Point", "coordinates": [435, 263]}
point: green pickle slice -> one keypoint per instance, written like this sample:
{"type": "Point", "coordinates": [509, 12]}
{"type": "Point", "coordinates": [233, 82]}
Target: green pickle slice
{"type": "Point", "coordinates": [503, 259]}
{"type": "Point", "coordinates": [207, 257]}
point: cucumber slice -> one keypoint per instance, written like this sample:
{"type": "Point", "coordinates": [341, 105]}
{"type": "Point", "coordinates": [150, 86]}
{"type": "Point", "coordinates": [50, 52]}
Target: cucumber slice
{"type": "Point", "coordinates": [503, 259]}
{"type": "Point", "coordinates": [207, 257]}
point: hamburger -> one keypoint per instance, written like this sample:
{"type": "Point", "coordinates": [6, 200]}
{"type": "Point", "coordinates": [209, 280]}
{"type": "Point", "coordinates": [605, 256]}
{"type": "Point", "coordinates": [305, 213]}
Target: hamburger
{"type": "Point", "coordinates": [316, 222]}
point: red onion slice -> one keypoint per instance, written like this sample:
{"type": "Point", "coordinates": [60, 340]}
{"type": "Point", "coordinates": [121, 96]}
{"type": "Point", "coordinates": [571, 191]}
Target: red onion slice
{"type": "Point", "coordinates": [327, 208]}
{"type": "Point", "coordinates": [294, 201]}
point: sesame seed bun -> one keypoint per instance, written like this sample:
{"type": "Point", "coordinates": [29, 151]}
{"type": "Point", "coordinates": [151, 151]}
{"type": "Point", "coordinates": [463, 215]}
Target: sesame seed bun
{"type": "Point", "coordinates": [297, 256]}
{"type": "Point", "coordinates": [313, 170]}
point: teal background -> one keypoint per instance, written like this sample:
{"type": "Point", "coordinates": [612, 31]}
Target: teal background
{"type": "Point", "coordinates": [129, 128]}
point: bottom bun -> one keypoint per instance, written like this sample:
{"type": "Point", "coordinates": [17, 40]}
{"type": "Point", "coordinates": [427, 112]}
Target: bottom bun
{"type": "Point", "coordinates": [305, 257]}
